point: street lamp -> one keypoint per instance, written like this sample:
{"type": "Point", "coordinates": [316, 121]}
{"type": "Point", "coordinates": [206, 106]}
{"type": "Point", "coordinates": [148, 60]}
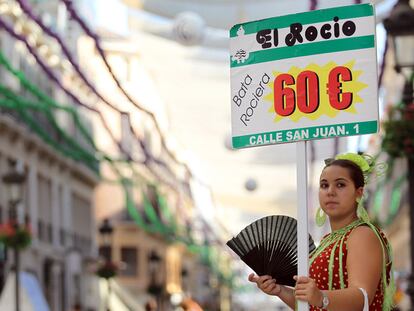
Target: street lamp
{"type": "Point", "coordinates": [106, 230]}
{"type": "Point", "coordinates": [184, 275]}
{"type": "Point", "coordinates": [14, 180]}
{"type": "Point", "coordinates": [400, 27]}
{"type": "Point", "coordinates": [155, 289]}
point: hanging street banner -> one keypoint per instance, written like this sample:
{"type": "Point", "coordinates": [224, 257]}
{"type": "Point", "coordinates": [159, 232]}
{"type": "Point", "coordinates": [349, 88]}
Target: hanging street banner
{"type": "Point", "coordinates": [304, 76]}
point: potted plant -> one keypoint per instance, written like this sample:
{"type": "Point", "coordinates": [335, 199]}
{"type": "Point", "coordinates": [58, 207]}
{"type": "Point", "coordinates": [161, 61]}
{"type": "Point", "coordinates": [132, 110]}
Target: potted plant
{"type": "Point", "coordinates": [398, 140]}
{"type": "Point", "coordinates": [107, 269]}
{"type": "Point", "coordinates": [14, 235]}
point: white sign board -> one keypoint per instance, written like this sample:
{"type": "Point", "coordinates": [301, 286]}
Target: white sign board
{"type": "Point", "coordinates": [304, 76]}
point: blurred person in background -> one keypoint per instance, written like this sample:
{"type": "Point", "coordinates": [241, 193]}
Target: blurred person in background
{"type": "Point", "coordinates": [151, 305]}
{"type": "Point", "coordinates": [190, 305]}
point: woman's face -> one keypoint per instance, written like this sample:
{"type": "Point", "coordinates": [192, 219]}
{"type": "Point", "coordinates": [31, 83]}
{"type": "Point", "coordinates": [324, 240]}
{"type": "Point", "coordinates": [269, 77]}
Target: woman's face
{"type": "Point", "coordinates": [337, 192]}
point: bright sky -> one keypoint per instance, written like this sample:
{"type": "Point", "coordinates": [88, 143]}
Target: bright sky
{"type": "Point", "coordinates": [113, 14]}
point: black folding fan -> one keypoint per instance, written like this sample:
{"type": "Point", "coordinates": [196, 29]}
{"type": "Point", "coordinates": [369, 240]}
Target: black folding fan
{"type": "Point", "coordinates": [269, 247]}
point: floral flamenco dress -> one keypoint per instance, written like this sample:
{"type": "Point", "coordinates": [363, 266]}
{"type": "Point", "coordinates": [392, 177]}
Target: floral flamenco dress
{"type": "Point", "coordinates": [328, 265]}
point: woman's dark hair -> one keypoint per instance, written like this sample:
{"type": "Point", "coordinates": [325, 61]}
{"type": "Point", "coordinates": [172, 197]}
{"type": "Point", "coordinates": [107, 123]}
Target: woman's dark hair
{"type": "Point", "coordinates": [354, 171]}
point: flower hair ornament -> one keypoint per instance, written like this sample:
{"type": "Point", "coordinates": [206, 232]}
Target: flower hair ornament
{"type": "Point", "coordinates": [365, 162]}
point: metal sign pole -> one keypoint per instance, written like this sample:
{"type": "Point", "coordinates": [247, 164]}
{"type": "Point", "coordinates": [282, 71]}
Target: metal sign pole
{"type": "Point", "coordinates": [302, 215]}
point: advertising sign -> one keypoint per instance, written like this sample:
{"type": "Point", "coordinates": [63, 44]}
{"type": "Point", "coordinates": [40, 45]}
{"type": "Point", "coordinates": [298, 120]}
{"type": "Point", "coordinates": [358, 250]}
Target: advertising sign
{"type": "Point", "coordinates": [304, 76]}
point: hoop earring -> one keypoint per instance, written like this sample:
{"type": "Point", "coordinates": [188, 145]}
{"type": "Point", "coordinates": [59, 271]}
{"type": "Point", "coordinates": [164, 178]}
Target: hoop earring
{"type": "Point", "coordinates": [320, 218]}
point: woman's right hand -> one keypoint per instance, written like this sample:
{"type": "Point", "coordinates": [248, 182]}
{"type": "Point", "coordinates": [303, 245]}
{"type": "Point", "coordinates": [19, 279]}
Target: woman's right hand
{"type": "Point", "coordinates": [266, 283]}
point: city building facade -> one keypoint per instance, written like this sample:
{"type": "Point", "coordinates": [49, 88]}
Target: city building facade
{"type": "Point", "coordinates": [59, 187]}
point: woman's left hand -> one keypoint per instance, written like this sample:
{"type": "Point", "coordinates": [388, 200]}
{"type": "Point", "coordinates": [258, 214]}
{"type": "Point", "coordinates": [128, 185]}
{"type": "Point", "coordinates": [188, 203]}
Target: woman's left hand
{"type": "Point", "coordinates": [306, 290]}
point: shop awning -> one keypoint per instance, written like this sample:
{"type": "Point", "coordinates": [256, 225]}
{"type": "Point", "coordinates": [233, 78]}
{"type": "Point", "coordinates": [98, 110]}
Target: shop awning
{"type": "Point", "coordinates": [31, 294]}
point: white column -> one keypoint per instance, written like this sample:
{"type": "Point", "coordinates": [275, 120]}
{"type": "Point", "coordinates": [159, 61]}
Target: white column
{"type": "Point", "coordinates": [33, 198]}
{"type": "Point", "coordinates": [68, 285]}
{"type": "Point", "coordinates": [66, 226]}
{"type": "Point", "coordinates": [56, 284]}
{"type": "Point", "coordinates": [3, 194]}
{"type": "Point", "coordinates": [55, 205]}
{"type": "Point", "coordinates": [67, 203]}
{"type": "Point", "coordinates": [93, 228]}
{"type": "Point", "coordinates": [73, 266]}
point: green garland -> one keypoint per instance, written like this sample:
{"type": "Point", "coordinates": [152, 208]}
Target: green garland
{"type": "Point", "coordinates": [43, 98]}
{"type": "Point", "coordinates": [151, 214]}
{"type": "Point", "coordinates": [68, 147]}
{"type": "Point", "coordinates": [169, 217]}
{"type": "Point", "coordinates": [45, 105]}
{"type": "Point", "coordinates": [395, 201]}
{"type": "Point", "coordinates": [71, 148]}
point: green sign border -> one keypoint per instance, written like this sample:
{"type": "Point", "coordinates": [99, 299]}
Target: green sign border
{"type": "Point", "coordinates": [269, 138]}
{"type": "Point", "coordinates": [324, 15]}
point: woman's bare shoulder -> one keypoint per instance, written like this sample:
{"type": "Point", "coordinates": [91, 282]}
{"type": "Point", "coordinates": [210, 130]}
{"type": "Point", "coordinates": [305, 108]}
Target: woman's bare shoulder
{"type": "Point", "coordinates": [364, 236]}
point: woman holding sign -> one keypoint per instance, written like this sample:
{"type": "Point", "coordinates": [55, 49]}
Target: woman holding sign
{"type": "Point", "coordinates": [351, 267]}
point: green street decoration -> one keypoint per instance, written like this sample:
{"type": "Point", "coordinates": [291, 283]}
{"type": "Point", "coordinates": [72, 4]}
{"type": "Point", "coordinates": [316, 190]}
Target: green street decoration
{"type": "Point", "coordinates": [152, 215]}
{"type": "Point", "coordinates": [43, 105]}
{"type": "Point", "coordinates": [39, 105]}
{"type": "Point", "coordinates": [380, 202]}
{"type": "Point", "coordinates": [47, 106]}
